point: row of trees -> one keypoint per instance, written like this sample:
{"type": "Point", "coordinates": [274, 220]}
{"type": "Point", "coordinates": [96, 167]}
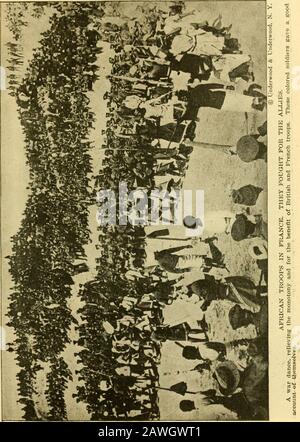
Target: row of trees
{"type": "Point", "coordinates": [55, 117]}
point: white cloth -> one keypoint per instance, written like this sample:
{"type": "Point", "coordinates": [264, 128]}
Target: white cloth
{"type": "Point", "coordinates": [207, 353]}
{"type": "Point", "coordinates": [234, 102]}
{"type": "Point", "coordinates": [181, 311]}
{"type": "Point", "coordinates": [208, 44]}
{"type": "Point", "coordinates": [163, 111]}
{"type": "Point", "coordinates": [204, 43]}
{"type": "Point", "coordinates": [174, 22]}
{"type": "Point", "coordinates": [227, 62]}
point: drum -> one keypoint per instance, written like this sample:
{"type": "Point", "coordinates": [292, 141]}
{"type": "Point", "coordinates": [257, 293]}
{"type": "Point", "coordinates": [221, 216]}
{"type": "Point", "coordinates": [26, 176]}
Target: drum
{"type": "Point", "coordinates": [248, 148]}
{"type": "Point", "coordinates": [241, 228]}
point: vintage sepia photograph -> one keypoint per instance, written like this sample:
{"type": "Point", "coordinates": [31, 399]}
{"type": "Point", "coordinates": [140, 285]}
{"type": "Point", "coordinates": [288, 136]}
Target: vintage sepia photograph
{"type": "Point", "coordinates": [134, 140]}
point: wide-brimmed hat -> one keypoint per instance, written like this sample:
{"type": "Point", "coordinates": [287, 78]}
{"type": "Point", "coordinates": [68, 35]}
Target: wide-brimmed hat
{"type": "Point", "coordinates": [236, 316]}
{"type": "Point", "coordinates": [241, 228]}
{"type": "Point", "coordinates": [246, 195]}
{"type": "Point", "coordinates": [227, 376]}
